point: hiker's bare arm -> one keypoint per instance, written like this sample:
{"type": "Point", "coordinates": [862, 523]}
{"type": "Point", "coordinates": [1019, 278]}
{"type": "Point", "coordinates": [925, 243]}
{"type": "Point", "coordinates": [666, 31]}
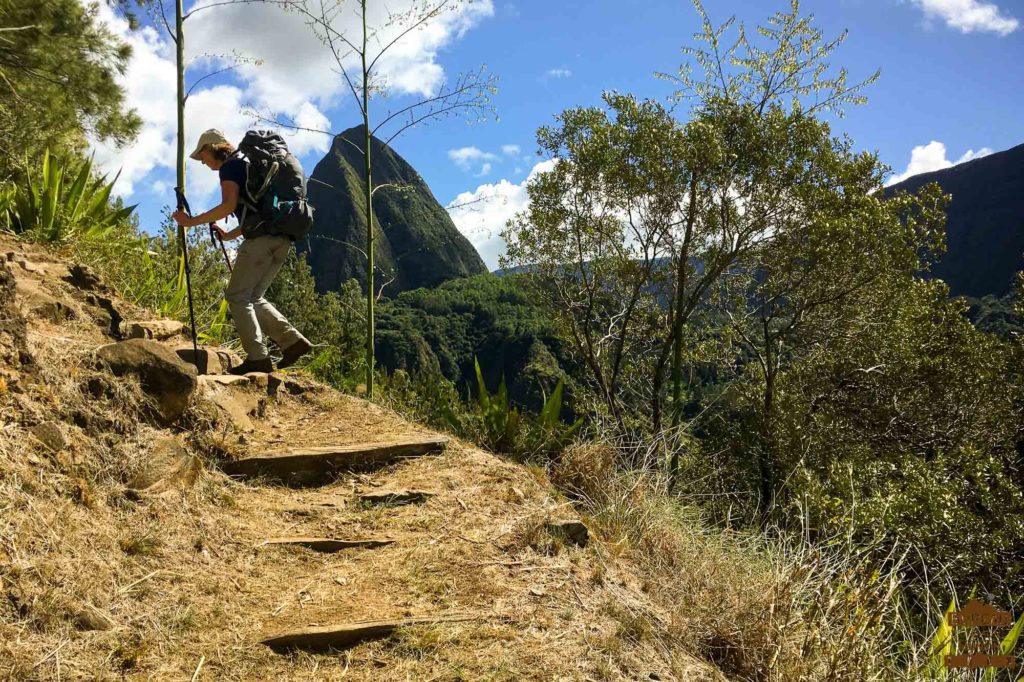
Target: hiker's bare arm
{"type": "Point", "coordinates": [228, 202]}
{"type": "Point", "coordinates": [228, 236]}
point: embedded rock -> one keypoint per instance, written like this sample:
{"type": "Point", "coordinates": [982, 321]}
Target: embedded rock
{"type": "Point", "coordinates": [37, 303]}
{"type": "Point", "coordinates": [91, 618]}
{"type": "Point", "coordinates": [160, 330]}
{"type": "Point", "coordinates": [163, 375]}
{"type": "Point", "coordinates": [84, 278]}
{"type": "Point", "coordinates": [13, 346]}
{"type": "Point", "coordinates": [569, 531]}
{"type": "Point", "coordinates": [168, 466]}
{"type": "Point", "coordinates": [50, 435]}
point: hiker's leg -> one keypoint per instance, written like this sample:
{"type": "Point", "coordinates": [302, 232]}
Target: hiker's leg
{"type": "Point", "coordinates": [252, 260]}
{"type": "Point", "coordinates": [271, 321]}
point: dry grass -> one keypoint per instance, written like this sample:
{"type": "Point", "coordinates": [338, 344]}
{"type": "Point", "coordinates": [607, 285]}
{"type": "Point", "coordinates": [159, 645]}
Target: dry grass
{"type": "Point", "coordinates": [759, 609]}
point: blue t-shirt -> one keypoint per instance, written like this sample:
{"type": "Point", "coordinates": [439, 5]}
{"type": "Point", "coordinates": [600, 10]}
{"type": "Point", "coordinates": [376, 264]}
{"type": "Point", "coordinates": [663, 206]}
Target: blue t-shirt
{"type": "Point", "coordinates": [233, 170]}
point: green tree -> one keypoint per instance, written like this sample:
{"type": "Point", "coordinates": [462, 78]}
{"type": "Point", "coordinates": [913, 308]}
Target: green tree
{"type": "Point", "coordinates": [642, 215]}
{"type": "Point", "coordinates": [594, 236]}
{"type": "Point", "coordinates": [839, 238]}
{"type": "Point", "coordinates": [58, 81]}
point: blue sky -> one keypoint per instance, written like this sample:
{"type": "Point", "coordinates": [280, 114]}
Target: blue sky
{"type": "Point", "coordinates": [951, 86]}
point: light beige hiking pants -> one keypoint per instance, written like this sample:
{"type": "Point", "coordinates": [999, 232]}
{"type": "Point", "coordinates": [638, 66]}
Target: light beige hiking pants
{"type": "Point", "coordinates": [256, 265]}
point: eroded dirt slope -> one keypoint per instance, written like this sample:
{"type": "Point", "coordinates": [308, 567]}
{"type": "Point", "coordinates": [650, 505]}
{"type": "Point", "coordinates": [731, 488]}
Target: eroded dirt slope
{"type": "Point", "coordinates": [99, 580]}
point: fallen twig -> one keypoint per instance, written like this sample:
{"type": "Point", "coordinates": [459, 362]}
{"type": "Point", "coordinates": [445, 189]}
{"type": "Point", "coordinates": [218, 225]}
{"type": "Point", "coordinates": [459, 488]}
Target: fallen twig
{"type": "Point", "coordinates": [47, 657]}
{"type": "Point", "coordinates": [195, 675]}
{"type": "Point", "coordinates": [142, 580]}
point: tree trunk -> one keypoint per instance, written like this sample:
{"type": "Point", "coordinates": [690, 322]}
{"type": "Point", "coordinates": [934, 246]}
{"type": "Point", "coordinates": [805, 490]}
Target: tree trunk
{"type": "Point", "coordinates": [370, 360]}
{"type": "Point", "coordinates": [680, 319]}
{"type": "Point", "coordinates": [656, 383]}
{"type": "Point", "coordinates": [766, 454]}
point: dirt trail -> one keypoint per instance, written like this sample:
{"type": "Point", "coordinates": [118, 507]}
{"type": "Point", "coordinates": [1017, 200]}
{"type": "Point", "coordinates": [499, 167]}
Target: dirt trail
{"type": "Point", "coordinates": [191, 589]}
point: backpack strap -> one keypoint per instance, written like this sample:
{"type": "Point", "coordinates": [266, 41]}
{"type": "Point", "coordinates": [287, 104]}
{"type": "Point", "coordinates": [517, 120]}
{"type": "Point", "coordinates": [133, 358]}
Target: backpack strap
{"type": "Point", "coordinates": [266, 181]}
{"type": "Point", "coordinates": [249, 204]}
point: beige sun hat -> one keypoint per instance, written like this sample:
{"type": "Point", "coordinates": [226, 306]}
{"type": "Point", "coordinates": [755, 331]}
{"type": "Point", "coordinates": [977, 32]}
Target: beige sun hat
{"type": "Point", "coordinates": [211, 136]}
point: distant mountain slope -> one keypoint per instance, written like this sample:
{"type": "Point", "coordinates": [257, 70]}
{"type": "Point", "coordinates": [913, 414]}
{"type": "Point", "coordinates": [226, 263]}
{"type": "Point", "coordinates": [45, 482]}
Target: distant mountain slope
{"type": "Point", "coordinates": [985, 231]}
{"type": "Point", "coordinates": [416, 241]}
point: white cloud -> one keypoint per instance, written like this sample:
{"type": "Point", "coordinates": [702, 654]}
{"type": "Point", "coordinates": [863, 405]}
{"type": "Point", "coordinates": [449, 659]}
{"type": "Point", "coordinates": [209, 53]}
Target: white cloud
{"type": "Point", "coordinates": [510, 149]}
{"type": "Point", "coordinates": [558, 73]}
{"type": "Point", "coordinates": [932, 157]}
{"type": "Point", "coordinates": [484, 170]}
{"type": "Point", "coordinates": [969, 16]}
{"type": "Point", "coordinates": [467, 158]}
{"type": "Point", "coordinates": [296, 79]}
{"type": "Point", "coordinates": [481, 215]}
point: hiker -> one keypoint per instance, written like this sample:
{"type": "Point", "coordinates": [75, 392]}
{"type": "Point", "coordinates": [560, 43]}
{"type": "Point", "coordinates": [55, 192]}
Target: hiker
{"type": "Point", "coordinates": [259, 258]}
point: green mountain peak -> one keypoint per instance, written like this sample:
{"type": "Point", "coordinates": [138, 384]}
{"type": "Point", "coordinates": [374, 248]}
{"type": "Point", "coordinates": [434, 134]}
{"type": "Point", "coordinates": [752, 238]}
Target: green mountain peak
{"type": "Point", "coordinates": [416, 244]}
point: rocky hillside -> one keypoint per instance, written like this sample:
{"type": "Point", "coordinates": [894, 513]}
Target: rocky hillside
{"type": "Point", "coordinates": [985, 229]}
{"type": "Point", "coordinates": [416, 243]}
{"type": "Point", "coordinates": [160, 524]}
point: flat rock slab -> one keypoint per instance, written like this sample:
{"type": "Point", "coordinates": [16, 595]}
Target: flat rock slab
{"type": "Point", "coordinates": [224, 380]}
{"type": "Point", "coordinates": [157, 330]}
{"type": "Point", "coordinates": [312, 465]}
{"type": "Point", "coordinates": [329, 544]}
{"type": "Point", "coordinates": [396, 497]}
{"type": "Point", "coordinates": [345, 635]}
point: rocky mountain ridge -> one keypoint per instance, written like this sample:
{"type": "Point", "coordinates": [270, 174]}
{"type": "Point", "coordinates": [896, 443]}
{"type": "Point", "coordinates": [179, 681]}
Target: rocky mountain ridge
{"type": "Point", "coordinates": [416, 242]}
{"type": "Point", "coordinates": [985, 226]}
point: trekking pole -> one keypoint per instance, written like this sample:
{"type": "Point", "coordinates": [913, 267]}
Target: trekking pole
{"type": "Point", "coordinates": [183, 205]}
{"type": "Point", "coordinates": [214, 238]}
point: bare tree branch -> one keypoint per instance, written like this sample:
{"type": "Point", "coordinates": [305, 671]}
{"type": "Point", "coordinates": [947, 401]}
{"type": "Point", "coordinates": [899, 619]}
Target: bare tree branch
{"type": "Point", "coordinates": [424, 19]}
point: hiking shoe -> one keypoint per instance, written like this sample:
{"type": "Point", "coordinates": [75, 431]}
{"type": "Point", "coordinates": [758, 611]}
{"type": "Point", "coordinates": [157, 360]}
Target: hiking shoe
{"type": "Point", "coordinates": [264, 365]}
{"type": "Point", "coordinates": [293, 352]}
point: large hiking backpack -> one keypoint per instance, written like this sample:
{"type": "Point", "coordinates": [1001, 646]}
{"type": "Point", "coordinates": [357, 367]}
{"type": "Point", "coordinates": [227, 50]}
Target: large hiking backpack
{"type": "Point", "coordinates": [274, 197]}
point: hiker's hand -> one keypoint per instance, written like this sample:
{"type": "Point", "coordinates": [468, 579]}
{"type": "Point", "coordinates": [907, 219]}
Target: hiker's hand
{"type": "Point", "coordinates": [182, 218]}
{"type": "Point", "coordinates": [222, 234]}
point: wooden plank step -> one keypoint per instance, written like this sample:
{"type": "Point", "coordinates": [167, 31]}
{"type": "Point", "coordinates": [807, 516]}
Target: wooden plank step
{"type": "Point", "coordinates": [311, 465]}
{"type": "Point", "coordinates": [396, 497]}
{"type": "Point", "coordinates": [330, 544]}
{"type": "Point", "coordinates": [344, 635]}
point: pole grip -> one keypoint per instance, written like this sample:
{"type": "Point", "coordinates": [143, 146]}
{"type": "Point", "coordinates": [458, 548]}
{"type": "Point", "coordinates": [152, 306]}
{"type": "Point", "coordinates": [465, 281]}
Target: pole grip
{"type": "Point", "coordinates": [179, 196]}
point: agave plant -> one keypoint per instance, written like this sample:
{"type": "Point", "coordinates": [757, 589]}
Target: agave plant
{"type": "Point", "coordinates": [63, 200]}
{"type": "Point", "coordinates": [501, 422]}
{"type": "Point", "coordinates": [505, 429]}
{"type": "Point", "coordinates": [7, 192]}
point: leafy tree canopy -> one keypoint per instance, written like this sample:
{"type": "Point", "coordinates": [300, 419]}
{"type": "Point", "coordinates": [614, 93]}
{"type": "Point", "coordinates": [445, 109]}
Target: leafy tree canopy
{"type": "Point", "coordinates": [58, 80]}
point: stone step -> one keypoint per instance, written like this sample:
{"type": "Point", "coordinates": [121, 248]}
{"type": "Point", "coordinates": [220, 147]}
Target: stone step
{"type": "Point", "coordinates": [328, 544]}
{"type": "Point", "coordinates": [342, 636]}
{"type": "Point", "coordinates": [396, 497]}
{"type": "Point", "coordinates": [308, 466]}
